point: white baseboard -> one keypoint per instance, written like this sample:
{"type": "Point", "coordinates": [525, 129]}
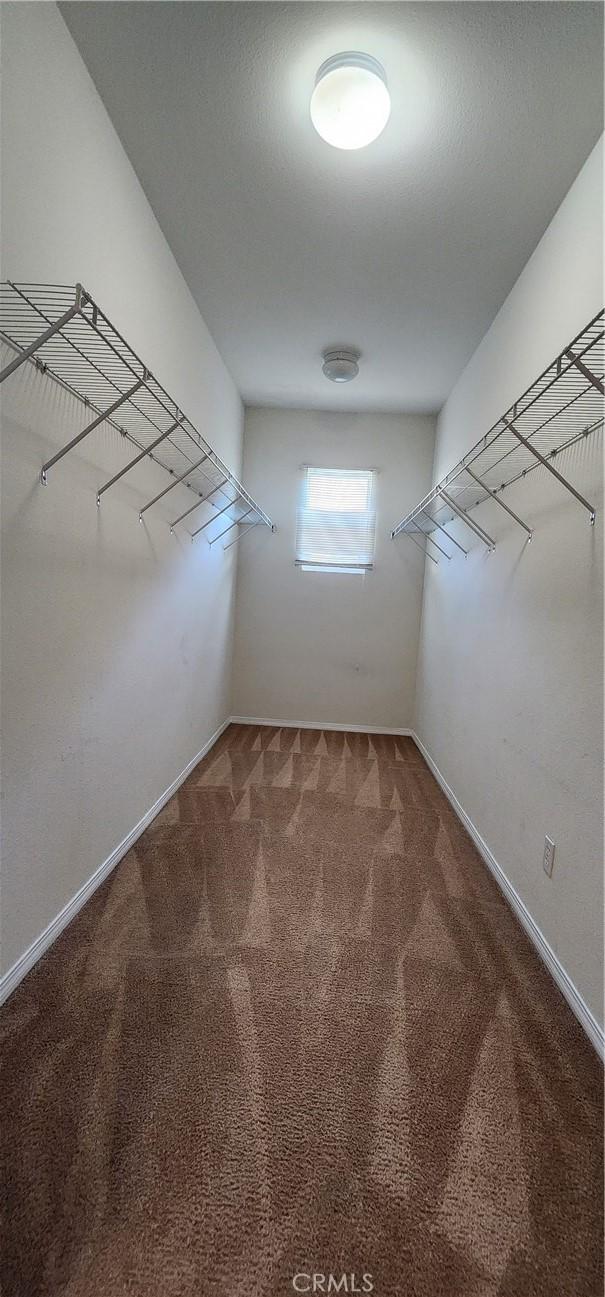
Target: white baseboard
{"type": "Point", "coordinates": [563, 980]}
{"type": "Point", "coordinates": [26, 961]}
{"type": "Point", "coordinates": [320, 725]}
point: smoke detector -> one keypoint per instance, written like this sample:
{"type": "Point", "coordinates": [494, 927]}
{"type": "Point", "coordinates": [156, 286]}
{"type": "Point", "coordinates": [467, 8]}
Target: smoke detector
{"type": "Point", "coordinates": [340, 364]}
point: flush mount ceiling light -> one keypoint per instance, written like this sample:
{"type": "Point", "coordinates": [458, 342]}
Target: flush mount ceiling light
{"type": "Point", "coordinates": [350, 104]}
{"type": "Point", "coordinates": [340, 365]}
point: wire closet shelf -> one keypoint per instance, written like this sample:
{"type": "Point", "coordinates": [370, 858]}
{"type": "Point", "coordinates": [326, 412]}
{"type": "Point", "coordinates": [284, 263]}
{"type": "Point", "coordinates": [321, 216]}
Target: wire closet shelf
{"type": "Point", "coordinates": [564, 405]}
{"type": "Point", "coordinates": [65, 334]}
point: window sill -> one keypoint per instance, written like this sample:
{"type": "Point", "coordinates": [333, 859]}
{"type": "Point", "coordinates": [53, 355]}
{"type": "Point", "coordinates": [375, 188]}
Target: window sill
{"type": "Point", "coordinates": [333, 569]}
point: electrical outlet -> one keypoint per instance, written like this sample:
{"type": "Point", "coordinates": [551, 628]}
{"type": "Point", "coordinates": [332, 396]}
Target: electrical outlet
{"type": "Point", "coordinates": [548, 859]}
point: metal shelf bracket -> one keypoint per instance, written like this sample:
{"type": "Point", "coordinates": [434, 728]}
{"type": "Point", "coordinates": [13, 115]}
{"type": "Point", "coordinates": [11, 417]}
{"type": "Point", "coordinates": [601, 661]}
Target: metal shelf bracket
{"type": "Point", "coordinates": [470, 522]}
{"type": "Point", "coordinates": [29, 351]}
{"type": "Point", "coordinates": [197, 504]}
{"type": "Point", "coordinates": [588, 374]}
{"type": "Point", "coordinates": [69, 339]}
{"type": "Point", "coordinates": [430, 541]}
{"type": "Point", "coordinates": [229, 505]}
{"type": "Point", "coordinates": [249, 527]}
{"type": "Point", "coordinates": [439, 527]}
{"type": "Point", "coordinates": [88, 429]}
{"type": "Point", "coordinates": [424, 551]}
{"type": "Point", "coordinates": [160, 495]}
{"type": "Point", "coordinates": [230, 527]}
{"type": "Point", "coordinates": [562, 407]}
{"type": "Point", "coordinates": [502, 504]}
{"type": "Point", "coordinates": [133, 463]}
{"type": "Point", "coordinates": [546, 464]}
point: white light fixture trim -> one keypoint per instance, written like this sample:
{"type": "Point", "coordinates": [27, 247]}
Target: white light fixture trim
{"type": "Point", "coordinates": [350, 105]}
{"type": "Point", "coordinates": [340, 365]}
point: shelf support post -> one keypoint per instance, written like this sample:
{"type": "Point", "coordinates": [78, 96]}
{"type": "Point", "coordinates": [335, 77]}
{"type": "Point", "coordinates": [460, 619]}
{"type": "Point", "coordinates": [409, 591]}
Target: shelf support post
{"type": "Point", "coordinates": [419, 546]}
{"type": "Point", "coordinates": [445, 533]}
{"type": "Point", "coordinates": [112, 481]}
{"type": "Point", "coordinates": [496, 497]}
{"type": "Point", "coordinates": [28, 352]}
{"type": "Point", "coordinates": [429, 540]}
{"type": "Point", "coordinates": [249, 527]}
{"type": "Point", "coordinates": [197, 504]}
{"type": "Point", "coordinates": [170, 487]}
{"type": "Point", "coordinates": [587, 373]}
{"type": "Point", "coordinates": [548, 465]}
{"type": "Point", "coordinates": [229, 505]}
{"type": "Point", "coordinates": [125, 396]}
{"type": "Point", "coordinates": [470, 522]}
{"type": "Point", "coordinates": [231, 525]}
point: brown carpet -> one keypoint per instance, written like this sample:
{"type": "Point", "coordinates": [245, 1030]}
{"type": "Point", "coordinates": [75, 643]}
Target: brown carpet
{"type": "Point", "coordinates": [298, 1031]}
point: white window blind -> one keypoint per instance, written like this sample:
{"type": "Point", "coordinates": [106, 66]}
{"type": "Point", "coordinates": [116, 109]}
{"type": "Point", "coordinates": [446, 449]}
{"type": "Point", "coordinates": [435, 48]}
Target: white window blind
{"type": "Point", "coordinates": [336, 520]}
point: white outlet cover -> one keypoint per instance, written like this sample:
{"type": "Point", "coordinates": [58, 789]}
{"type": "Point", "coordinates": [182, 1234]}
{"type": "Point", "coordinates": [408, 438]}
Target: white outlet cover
{"type": "Point", "coordinates": [549, 856]}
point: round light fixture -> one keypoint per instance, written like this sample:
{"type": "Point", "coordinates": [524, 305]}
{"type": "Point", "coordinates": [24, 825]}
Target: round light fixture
{"type": "Point", "coordinates": [350, 104]}
{"type": "Point", "coordinates": [340, 366]}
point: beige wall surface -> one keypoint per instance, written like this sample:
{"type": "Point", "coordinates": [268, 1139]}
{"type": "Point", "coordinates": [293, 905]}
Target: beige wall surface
{"type": "Point", "coordinates": [510, 672]}
{"type": "Point", "coordinates": [117, 638]}
{"type": "Point", "coordinates": [116, 648]}
{"type": "Point", "coordinates": [312, 646]}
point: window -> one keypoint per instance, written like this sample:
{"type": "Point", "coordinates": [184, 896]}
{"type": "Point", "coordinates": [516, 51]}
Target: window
{"type": "Point", "coordinates": [335, 531]}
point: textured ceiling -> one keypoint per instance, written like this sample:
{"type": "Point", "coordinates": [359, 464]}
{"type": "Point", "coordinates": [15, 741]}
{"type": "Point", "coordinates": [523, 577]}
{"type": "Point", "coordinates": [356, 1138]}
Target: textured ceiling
{"type": "Point", "coordinates": [405, 249]}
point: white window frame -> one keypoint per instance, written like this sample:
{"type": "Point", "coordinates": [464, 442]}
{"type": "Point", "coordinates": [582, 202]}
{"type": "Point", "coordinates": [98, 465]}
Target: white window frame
{"type": "Point", "coordinates": [350, 566]}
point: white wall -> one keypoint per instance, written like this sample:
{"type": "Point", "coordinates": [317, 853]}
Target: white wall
{"type": "Point", "coordinates": [509, 701]}
{"type": "Point", "coordinates": [334, 648]}
{"type": "Point", "coordinates": [116, 637]}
